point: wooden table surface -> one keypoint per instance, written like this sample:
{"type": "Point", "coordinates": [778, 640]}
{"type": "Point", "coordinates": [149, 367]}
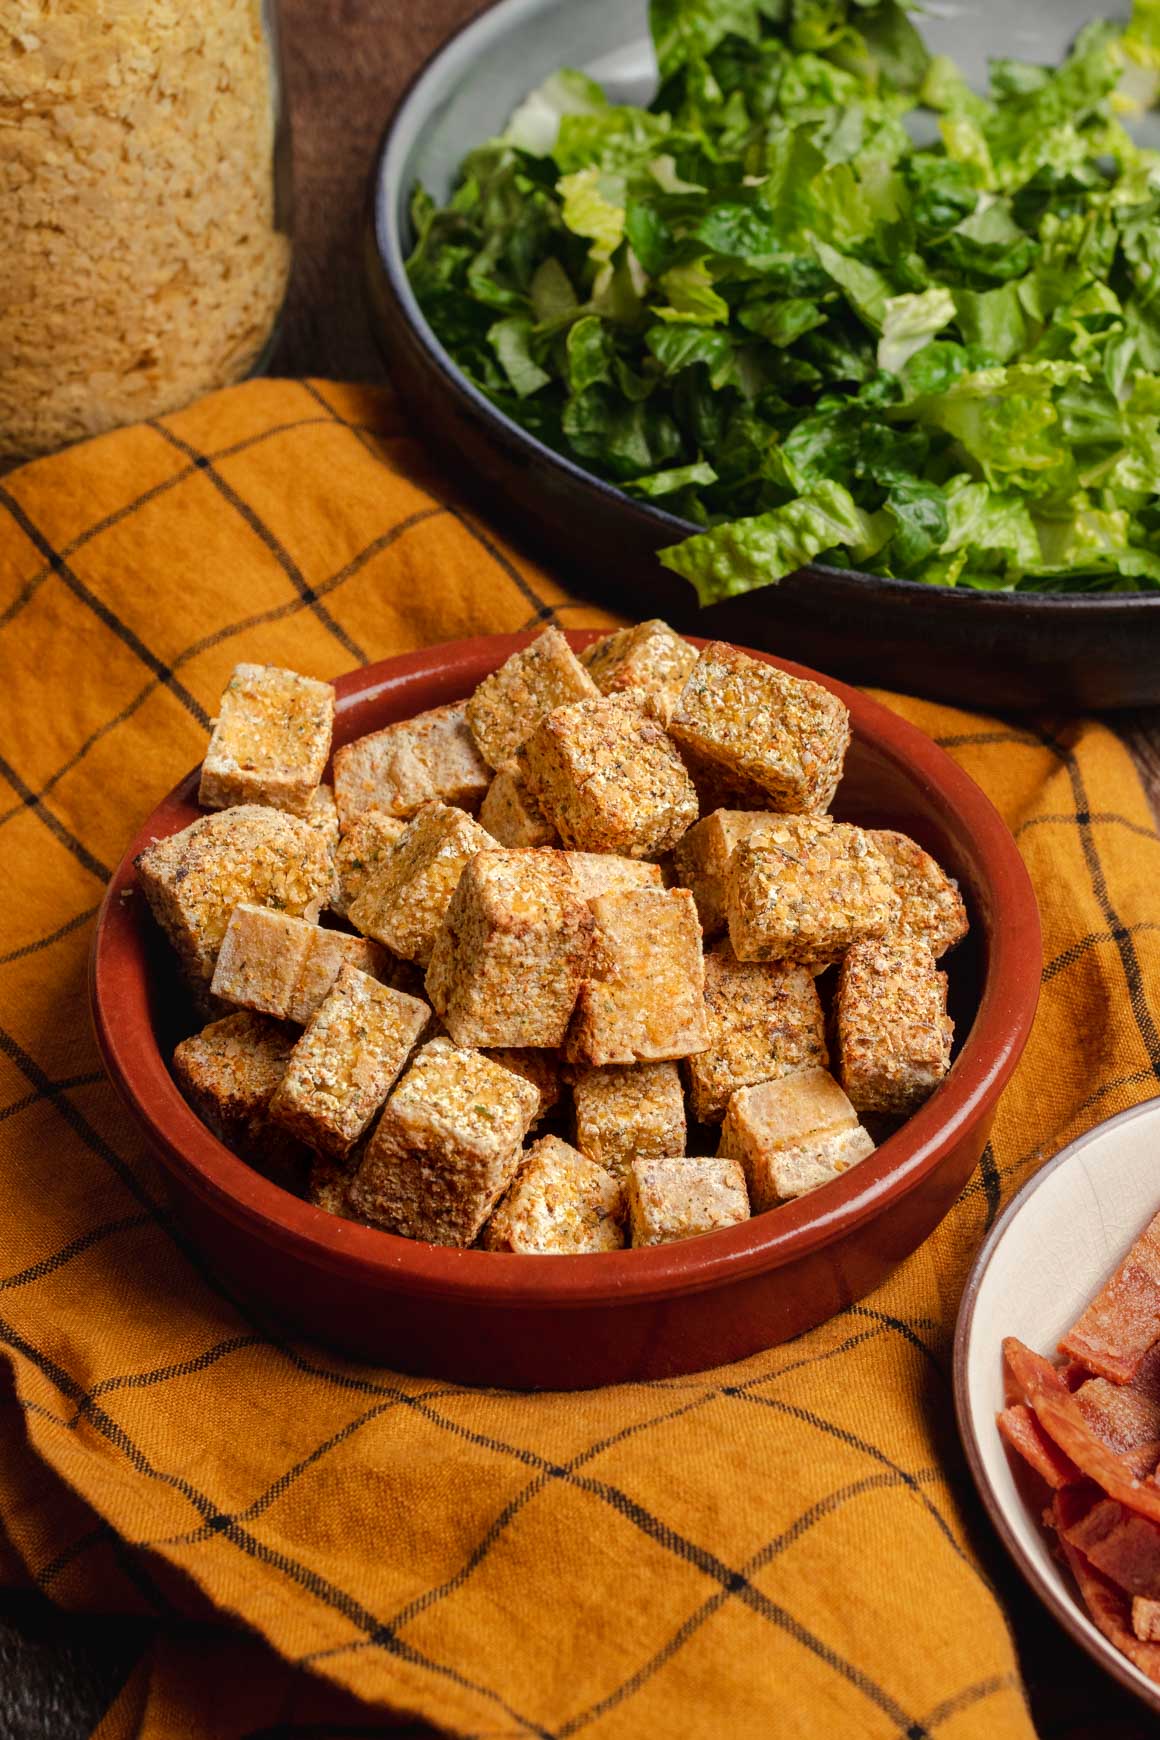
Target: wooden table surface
{"type": "Point", "coordinates": [347, 63]}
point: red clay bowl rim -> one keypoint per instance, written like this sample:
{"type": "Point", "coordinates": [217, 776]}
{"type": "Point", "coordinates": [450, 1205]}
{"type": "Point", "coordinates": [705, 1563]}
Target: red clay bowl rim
{"type": "Point", "coordinates": [121, 1017]}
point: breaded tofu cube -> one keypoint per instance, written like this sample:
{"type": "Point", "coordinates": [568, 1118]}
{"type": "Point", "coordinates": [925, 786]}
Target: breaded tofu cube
{"type": "Point", "coordinates": [347, 1061]}
{"type": "Point", "coordinates": [805, 889]}
{"type": "Point", "coordinates": [792, 1135]}
{"type": "Point", "coordinates": [403, 902]}
{"type": "Point", "coordinates": [430, 758]}
{"type": "Point", "coordinates": [765, 1021]}
{"type": "Point", "coordinates": [194, 879]}
{"type": "Point", "coordinates": [891, 1023]}
{"type": "Point", "coordinates": [604, 873]}
{"type": "Point", "coordinates": [671, 1199]}
{"type": "Point", "coordinates": [629, 1113]}
{"type": "Point", "coordinates": [511, 814]}
{"type": "Point", "coordinates": [718, 789]}
{"type": "Point", "coordinates": [270, 742]}
{"type": "Point", "coordinates": [510, 956]}
{"type": "Point", "coordinates": [508, 705]}
{"type": "Point", "coordinates": [702, 858]}
{"type": "Point", "coordinates": [541, 1068]}
{"type": "Point", "coordinates": [558, 1205]}
{"type": "Point", "coordinates": [283, 966]}
{"type": "Point", "coordinates": [323, 816]}
{"type": "Point", "coordinates": [446, 1147]}
{"type": "Point", "coordinates": [327, 1185]}
{"type": "Point", "coordinates": [650, 663]}
{"type": "Point", "coordinates": [645, 1000]}
{"type": "Point", "coordinates": [787, 735]}
{"type": "Point", "coordinates": [609, 779]}
{"type": "Point", "coordinates": [932, 907]}
{"type": "Point", "coordinates": [230, 1070]}
{"type": "Point", "coordinates": [364, 846]}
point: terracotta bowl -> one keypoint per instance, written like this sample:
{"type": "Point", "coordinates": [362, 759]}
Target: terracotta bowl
{"type": "Point", "coordinates": [569, 1323]}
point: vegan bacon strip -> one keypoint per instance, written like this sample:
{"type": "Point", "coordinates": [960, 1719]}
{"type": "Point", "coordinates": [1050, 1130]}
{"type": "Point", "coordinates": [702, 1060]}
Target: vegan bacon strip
{"type": "Point", "coordinates": [1124, 1546]}
{"type": "Point", "coordinates": [1023, 1432]}
{"type": "Point", "coordinates": [1123, 1321]}
{"type": "Point", "coordinates": [1111, 1610]}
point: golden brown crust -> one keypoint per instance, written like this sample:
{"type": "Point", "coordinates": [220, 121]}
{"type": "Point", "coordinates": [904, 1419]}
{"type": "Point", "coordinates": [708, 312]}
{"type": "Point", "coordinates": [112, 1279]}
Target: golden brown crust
{"type": "Point", "coordinates": [932, 907]}
{"type": "Point", "coordinates": [806, 888]}
{"type": "Point", "coordinates": [365, 845]}
{"type": "Point", "coordinates": [701, 859]}
{"type": "Point", "coordinates": [270, 741]}
{"type": "Point", "coordinates": [893, 1032]}
{"type": "Point", "coordinates": [625, 1113]}
{"type": "Point", "coordinates": [403, 901]}
{"type": "Point", "coordinates": [791, 1136]}
{"type": "Point", "coordinates": [558, 1204]}
{"type": "Point", "coordinates": [645, 1000]}
{"type": "Point", "coordinates": [283, 966]}
{"type": "Point", "coordinates": [430, 758]}
{"type": "Point", "coordinates": [511, 814]}
{"type": "Point", "coordinates": [679, 1198]}
{"type": "Point", "coordinates": [648, 662]}
{"type": "Point", "coordinates": [507, 706]}
{"type": "Point", "coordinates": [765, 1021]}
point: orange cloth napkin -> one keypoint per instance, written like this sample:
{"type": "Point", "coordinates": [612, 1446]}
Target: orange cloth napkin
{"type": "Point", "coordinates": [788, 1546]}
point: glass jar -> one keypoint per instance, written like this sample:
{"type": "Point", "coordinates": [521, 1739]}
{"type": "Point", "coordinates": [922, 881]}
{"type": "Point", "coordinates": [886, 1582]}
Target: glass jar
{"type": "Point", "coordinates": [144, 209]}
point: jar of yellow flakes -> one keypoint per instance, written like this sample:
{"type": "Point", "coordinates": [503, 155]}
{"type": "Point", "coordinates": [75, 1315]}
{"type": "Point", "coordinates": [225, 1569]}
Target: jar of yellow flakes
{"type": "Point", "coordinates": [144, 209]}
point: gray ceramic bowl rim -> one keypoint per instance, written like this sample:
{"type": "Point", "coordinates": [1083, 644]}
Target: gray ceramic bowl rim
{"type": "Point", "coordinates": [1104, 1652]}
{"type": "Point", "coordinates": [386, 195]}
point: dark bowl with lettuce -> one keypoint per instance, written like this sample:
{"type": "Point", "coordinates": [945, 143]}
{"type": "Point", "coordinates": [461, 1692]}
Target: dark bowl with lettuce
{"type": "Point", "coordinates": [816, 324]}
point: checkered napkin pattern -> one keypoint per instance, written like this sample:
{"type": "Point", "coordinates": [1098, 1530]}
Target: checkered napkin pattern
{"type": "Point", "coordinates": [785, 1546]}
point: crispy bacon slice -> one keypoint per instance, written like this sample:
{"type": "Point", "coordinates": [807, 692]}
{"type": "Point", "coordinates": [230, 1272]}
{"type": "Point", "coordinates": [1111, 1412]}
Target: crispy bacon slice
{"type": "Point", "coordinates": [1025, 1435]}
{"type": "Point", "coordinates": [1123, 1320]}
{"type": "Point", "coordinates": [1062, 1418]}
{"type": "Point", "coordinates": [1111, 1611]}
{"type": "Point", "coordinates": [1124, 1546]}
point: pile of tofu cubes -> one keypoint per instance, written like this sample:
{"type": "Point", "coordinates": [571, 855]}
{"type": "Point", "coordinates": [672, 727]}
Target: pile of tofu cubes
{"type": "Point", "coordinates": [480, 990]}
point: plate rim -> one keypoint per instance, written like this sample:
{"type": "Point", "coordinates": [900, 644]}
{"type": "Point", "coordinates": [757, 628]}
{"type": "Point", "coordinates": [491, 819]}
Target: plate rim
{"type": "Point", "coordinates": [1066, 1610]}
{"type": "Point", "coordinates": [387, 163]}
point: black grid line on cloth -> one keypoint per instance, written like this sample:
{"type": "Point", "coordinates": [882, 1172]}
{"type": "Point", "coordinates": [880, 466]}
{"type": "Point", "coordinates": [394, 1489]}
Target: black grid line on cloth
{"type": "Point", "coordinates": [68, 1555]}
{"type": "Point", "coordinates": [907, 1330]}
{"type": "Point", "coordinates": [102, 611]}
{"type": "Point", "coordinates": [992, 1186]}
{"type": "Point", "coordinates": [196, 1362]}
{"type": "Point", "coordinates": [29, 800]}
{"type": "Point", "coordinates": [1094, 939]}
{"type": "Point", "coordinates": [62, 1086]}
{"type": "Point", "coordinates": [987, 739]}
{"type": "Point", "coordinates": [57, 935]}
{"type": "Point", "coordinates": [76, 1247]}
{"type": "Point", "coordinates": [276, 613]}
{"type": "Point", "coordinates": [1103, 818]}
{"type": "Point", "coordinates": [544, 612]}
{"type": "Point", "coordinates": [266, 537]}
{"type": "Point", "coordinates": [320, 1587]}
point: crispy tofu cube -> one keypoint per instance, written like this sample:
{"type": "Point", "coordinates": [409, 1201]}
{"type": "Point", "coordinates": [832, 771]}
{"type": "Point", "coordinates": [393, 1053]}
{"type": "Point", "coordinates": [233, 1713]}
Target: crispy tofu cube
{"type": "Point", "coordinates": [541, 1068]}
{"type": "Point", "coordinates": [347, 1061]}
{"type": "Point", "coordinates": [509, 959]}
{"type": "Point", "coordinates": [629, 1113]}
{"type": "Point", "coordinates": [671, 1199]}
{"type": "Point", "coordinates": [702, 858]}
{"type": "Point", "coordinates": [805, 889]}
{"type": "Point", "coordinates": [893, 1031]}
{"type": "Point", "coordinates": [283, 966]}
{"type": "Point", "coordinates": [403, 902]}
{"type": "Point", "coordinates": [327, 1185]}
{"type": "Point", "coordinates": [511, 814]}
{"type": "Point", "coordinates": [363, 848]}
{"type": "Point", "coordinates": [645, 999]}
{"type": "Point", "coordinates": [323, 816]}
{"type": "Point", "coordinates": [932, 907]}
{"type": "Point", "coordinates": [758, 723]}
{"type": "Point", "coordinates": [792, 1136]}
{"type": "Point", "coordinates": [508, 705]}
{"type": "Point", "coordinates": [446, 1147]}
{"type": "Point", "coordinates": [596, 873]}
{"type": "Point", "coordinates": [430, 758]}
{"type": "Point", "coordinates": [649, 663]}
{"type": "Point", "coordinates": [229, 1071]}
{"type": "Point", "coordinates": [609, 779]}
{"type": "Point", "coordinates": [270, 741]}
{"type": "Point", "coordinates": [558, 1205]}
{"type": "Point", "coordinates": [194, 879]}
{"type": "Point", "coordinates": [765, 1021]}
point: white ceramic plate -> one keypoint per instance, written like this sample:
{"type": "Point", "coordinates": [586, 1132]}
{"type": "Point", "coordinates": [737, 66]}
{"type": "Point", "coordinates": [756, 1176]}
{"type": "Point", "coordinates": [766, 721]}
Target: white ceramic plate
{"type": "Point", "coordinates": [1045, 1258]}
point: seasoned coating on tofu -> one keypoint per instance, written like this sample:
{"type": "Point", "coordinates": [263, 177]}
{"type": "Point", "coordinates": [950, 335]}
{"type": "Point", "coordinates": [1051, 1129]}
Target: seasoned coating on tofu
{"type": "Point", "coordinates": [328, 1184]}
{"type": "Point", "coordinates": [805, 889]}
{"type": "Point", "coordinates": [510, 956]}
{"type": "Point", "coordinates": [508, 705]}
{"type": "Point", "coordinates": [194, 879]}
{"type": "Point", "coordinates": [701, 859]}
{"type": "Point", "coordinates": [283, 966]}
{"type": "Point", "coordinates": [649, 663]}
{"type": "Point", "coordinates": [645, 1000]}
{"type": "Point", "coordinates": [765, 1021]}
{"type": "Point", "coordinates": [403, 901]}
{"type": "Point", "coordinates": [604, 873]}
{"type": "Point", "coordinates": [787, 735]}
{"type": "Point", "coordinates": [346, 1062]}
{"type": "Point", "coordinates": [511, 814]}
{"type": "Point", "coordinates": [229, 1071]}
{"type": "Point", "coordinates": [893, 1031]}
{"type": "Point", "coordinates": [446, 1147]}
{"type": "Point", "coordinates": [323, 816]}
{"type": "Point", "coordinates": [932, 907]}
{"type": "Point", "coordinates": [270, 741]}
{"type": "Point", "coordinates": [629, 1113]}
{"type": "Point", "coordinates": [364, 846]}
{"type": "Point", "coordinates": [671, 1199]}
{"type": "Point", "coordinates": [792, 1135]}
{"type": "Point", "coordinates": [719, 789]}
{"type": "Point", "coordinates": [609, 779]}
{"type": "Point", "coordinates": [430, 758]}
{"type": "Point", "coordinates": [542, 1068]}
{"type": "Point", "coordinates": [558, 1204]}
